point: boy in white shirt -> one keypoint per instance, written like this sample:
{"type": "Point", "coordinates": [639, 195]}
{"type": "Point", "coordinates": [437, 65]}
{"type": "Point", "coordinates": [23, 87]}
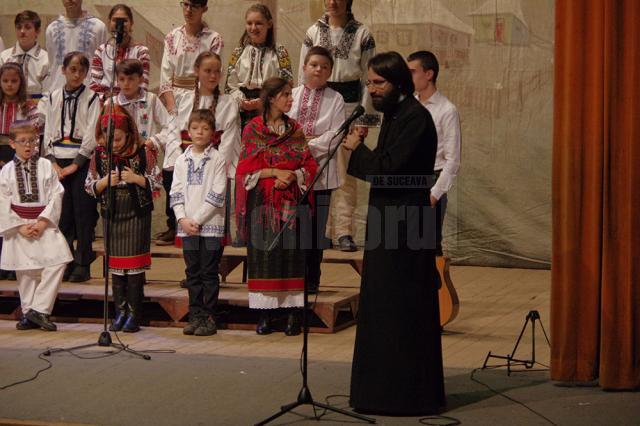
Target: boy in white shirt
{"type": "Point", "coordinates": [198, 200]}
{"type": "Point", "coordinates": [30, 206]}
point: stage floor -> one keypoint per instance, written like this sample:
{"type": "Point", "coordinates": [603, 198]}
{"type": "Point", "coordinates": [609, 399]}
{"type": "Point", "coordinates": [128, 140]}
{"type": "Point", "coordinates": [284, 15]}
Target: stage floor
{"type": "Point", "coordinates": [238, 377]}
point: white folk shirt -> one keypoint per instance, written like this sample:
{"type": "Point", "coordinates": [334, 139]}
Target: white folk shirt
{"type": "Point", "coordinates": [102, 65]}
{"type": "Point", "coordinates": [35, 65]}
{"type": "Point", "coordinates": [351, 48]}
{"type": "Point", "coordinates": [445, 117]}
{"type": "Point", "coordinates": [227, 121]}
{"type": "Point", "coordinates": [198, 191]}
{"type": "Point", "coordinates": [180, 54]}
{"type": "Point", "coordinates": [153, 120]}
{"type": "Point", "coordinates": [20, 253]}
{"type": "Point", "coordinates": [320, 112]}
{"type": "Point", "coordinates": [70, 126]}
{"type": "Point", "coordinates": [65, 35]}
{"type": "Point", "coordinates": [251, 66]}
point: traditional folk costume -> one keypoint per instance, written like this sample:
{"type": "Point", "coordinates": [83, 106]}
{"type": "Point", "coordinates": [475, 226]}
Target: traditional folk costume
{"type": "Point", "coordinates": [351, 48]}
{"type": "Point", "coordinates": [249, 67]}
{"type": "Point", "coordinates": [69, 138]}
{"type": "Point", "coordinates": [198, 192]}
{"type": "Point", "coordinates": [320, 112]}
{"type": "Point", "coordinates": [276, 277]}
{"type": "Point", "coordinates": [30, 190]}
{"type": "Point", "coordinates": [176, 71]}
{"type": "Point", "coordinates": [129, 220]}
{"type": "Point", "coordinates": [11, 111]}
{"type": "Point", "coordinates": [397, 361]}
{"type": "Point", "coordinates": [447, 121]}
{"type": "Point", "coordinates": [66, 35]}
{"type": "Point", "coordinates": [35, 66]}
{"type": "Point", "coordinates": [102, 65]}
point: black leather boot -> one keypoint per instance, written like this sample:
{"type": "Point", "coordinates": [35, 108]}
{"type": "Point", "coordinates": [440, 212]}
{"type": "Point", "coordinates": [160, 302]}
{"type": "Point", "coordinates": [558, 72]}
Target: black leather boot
{"type": "Point", "coordinates": [135, 294]}
{"type": "Point", "coordinates": [264, 323]}
{"type": "Point", "coordinates": [293, 323]}
{"type": "Point", "coordinates": [119, 289]}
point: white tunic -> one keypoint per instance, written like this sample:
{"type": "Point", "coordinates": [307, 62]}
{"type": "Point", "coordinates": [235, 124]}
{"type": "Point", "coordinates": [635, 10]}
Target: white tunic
{"type": "Point", "coordinates": [227, 121]}
{"type": "Point", "coordinates": [180, 53]}
{"type": "Point", "coordinates": [71, 139]}
{"type": "Point", "coordinates": [445, 117]}
{"type": "Point", "coordinates": [102, 65]}
{"type": "Point", "coordinates": [198, 191]}
{"type": "Point", "coordinates": [320, 112]}
{"type": "Point", "coordinates": [65, 35]}
{"type": "Point", "coordinates": [20, 253]}
{"type": "Point", "coordinates": [153, 121]}
{"type": "Point", "coordinates": [351, 48]}
{"type": "Point", "coordinates": [243, 72]}
{"type": "Point", "coordinates": [35, 65]}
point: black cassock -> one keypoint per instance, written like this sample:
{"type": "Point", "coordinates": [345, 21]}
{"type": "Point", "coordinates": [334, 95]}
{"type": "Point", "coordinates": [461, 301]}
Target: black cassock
{"type": "Point", "coordinates": [397, 361]}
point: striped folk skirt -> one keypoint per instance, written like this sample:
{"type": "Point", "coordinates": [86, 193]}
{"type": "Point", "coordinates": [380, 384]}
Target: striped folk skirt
{"type": "Point", "coordinates": [130, 238]}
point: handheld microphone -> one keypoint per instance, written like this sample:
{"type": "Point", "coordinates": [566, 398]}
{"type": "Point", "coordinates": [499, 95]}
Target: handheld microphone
{"type": "Point", "coordinates": [119, 30]}
{"type": "Point", "coordinates": [354, 115]}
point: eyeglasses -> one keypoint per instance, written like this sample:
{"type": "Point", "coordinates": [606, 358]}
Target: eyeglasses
{"type": "Point", "coordinates": [24, 142]}
{"type": "Point", "coordinates": [376, 84]}
{"type": "Point", "coordinates": [187, 5]}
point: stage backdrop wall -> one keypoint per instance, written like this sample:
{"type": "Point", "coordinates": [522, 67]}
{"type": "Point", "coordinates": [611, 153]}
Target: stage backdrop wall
{"type": "Point", "coordinates": [496, 66]}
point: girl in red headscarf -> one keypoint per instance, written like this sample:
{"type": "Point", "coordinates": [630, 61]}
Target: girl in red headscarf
{"type": "Point", "coordinates": [134, 178]}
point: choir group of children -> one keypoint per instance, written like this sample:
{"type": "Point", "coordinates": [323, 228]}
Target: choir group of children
{"type": "Point", "coordinates": [59, 107]}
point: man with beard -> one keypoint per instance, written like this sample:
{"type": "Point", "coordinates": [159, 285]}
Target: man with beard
{"type": "Point", "coordinates": [397, 362]}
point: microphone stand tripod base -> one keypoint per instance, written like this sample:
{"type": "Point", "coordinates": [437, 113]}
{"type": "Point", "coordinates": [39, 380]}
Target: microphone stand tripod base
{"type": "Point", "coordinates": [105, 339]}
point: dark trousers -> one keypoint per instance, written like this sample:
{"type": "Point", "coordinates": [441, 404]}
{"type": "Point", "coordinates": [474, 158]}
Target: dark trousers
{"type": "Point", "coordinates": [167, 180]}
{"type": "Point", "coordinates": [441, 208]}
{"type": "Point", "coordinates": [313, 255]}
{"type": "Point", "coordinates": [202, 258]}
{"type": "Point", "coordinates": [79, 214]}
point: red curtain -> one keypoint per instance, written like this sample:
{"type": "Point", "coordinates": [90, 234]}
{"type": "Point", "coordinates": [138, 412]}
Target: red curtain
{"type": "Point", "coordinates": [595, 295]}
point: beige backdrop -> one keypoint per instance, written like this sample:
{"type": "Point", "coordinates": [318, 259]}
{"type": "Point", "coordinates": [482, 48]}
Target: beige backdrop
{"type": "Point", "coordinates": [496, 66]}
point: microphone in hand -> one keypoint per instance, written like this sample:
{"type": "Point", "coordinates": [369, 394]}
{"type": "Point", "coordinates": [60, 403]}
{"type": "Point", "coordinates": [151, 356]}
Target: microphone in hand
{"type": "Point", "coordinates": [357, 112]}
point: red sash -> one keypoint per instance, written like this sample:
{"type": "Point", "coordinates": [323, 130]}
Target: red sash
{"type": "Point", "coordinates": [27, 212]}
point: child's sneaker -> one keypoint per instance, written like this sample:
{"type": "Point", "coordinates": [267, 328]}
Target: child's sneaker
{"type": "Point", "coordinates": [207, 328]}
{"type": "Point", "coordinates": [193, 325]}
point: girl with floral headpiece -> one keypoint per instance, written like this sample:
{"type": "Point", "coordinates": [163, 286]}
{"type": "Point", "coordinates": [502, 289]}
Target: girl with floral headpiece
{"type": "Point", "coordinates": [134, 178]}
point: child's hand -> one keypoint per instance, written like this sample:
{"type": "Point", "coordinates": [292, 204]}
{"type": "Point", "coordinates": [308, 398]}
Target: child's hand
{"type": "Point", "coordinates": [38, 228]}
{"type": "Point", "coordinates": [190, 226]}
{"type": "Point", "coordinates": [284, 178]}
{"type": "Point", "coordinates": [58, 170]}
{"type": "Point", "coordinates": [115, 178]}
{"type": "Point", "coordinates": [251, 105]}
{"type": "Point", "coordinates": [25, 231]}
{"type": "Point", "coordinates": [69, 170]}
{"type": "Point", "coordinates": [129, 176]}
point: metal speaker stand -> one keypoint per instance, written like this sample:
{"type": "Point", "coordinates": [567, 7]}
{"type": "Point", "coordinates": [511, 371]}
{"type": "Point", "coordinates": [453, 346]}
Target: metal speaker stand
{"type": "Point", "coordinates": [511, 359]}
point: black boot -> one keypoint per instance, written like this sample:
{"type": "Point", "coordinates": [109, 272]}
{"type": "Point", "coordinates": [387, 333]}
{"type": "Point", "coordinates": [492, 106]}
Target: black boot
{"type": "Point", "coordinates": [264, 323]}
{"type": "Point", "coordinates": [293, 323]}
{"type": "Point", "coordinates": [135, 294]}
{"type": "Point", "coordinates": [119, 289]}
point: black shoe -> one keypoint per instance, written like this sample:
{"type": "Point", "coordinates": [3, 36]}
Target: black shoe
{"type": "Point", "coordinates": [3, 274]}
{"type": "Point", "coordinates": [264, 324]}
{"type": "Point", "coordinates": [167, 238]}
{"type": "Point", "coordinates": [193, 325]}
{"type": "Point", "coordinates": [42, 320]}
{"type": "Point", "coordinates": [183, 283]}
{"type": "Point", "coordinates": [135, 295]}
{"type": "Point", "coordinates": [131, 325]}
{"type": "Point", "coordinates": [345, 243]}
{"type": "Point", "coordinates": [207, 328]}
{"type": "Point", "coordinates": [67, 271]}
{"type": "Point", "coordinates": [25, 324]}
{"type": "Point", "coordinates": [313, 288]}
{"type": "Point", "coordinates": [293, 324]}
{"type": "Point", "coordinates": [118, 290]}
{"type": "Point", "coordinates": [80, 274]}
{"type": "Point", "coordinates": [11, 276]}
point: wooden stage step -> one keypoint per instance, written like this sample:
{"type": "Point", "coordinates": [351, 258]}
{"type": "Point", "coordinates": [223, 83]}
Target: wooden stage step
{"type": "Point", "coordinates": [166, 304]}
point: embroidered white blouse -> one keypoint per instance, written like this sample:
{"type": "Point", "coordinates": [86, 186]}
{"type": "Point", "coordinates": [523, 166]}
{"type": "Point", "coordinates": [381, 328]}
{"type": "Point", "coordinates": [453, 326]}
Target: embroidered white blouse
{"type": "Point", "coordinates": [320, 112]}
{"type": "Point", "coordinates": [18, 252]}
{"type": "Point", "coordinates": [35, 65]}
{"type": "Point", "coordinates": [198, 191]}
{"type": "Point", "coordinates": [227, 121]}
{"type": "Point", "coordinates": [102, 65]}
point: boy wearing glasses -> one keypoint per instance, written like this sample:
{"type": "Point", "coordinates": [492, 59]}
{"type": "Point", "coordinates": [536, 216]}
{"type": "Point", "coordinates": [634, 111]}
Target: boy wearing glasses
{"type": "Point", "coordinates": [30, 206]}
{"type": "Point", "coordinates": [177, 76]}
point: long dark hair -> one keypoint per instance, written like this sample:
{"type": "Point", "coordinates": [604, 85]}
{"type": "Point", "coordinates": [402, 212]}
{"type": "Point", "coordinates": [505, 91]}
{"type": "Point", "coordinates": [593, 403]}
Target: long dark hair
{"type": "Point", "coordinates": [392, 67]}
{"type": "Point", "coordinates": [270, 89]}
{"type": "Point", "coordinates": [216, 93]}
{"type": "Point", "coordinates": [22, 90]}
{"type": "Point", "coordinates": [266, 13]}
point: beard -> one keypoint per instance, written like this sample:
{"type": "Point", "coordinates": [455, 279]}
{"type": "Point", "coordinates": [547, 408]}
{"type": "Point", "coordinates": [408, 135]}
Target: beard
{"type": "Point", "coordinates": [387, 101]}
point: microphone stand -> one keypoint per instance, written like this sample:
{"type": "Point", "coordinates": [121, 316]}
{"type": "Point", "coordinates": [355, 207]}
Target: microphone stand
{"type": "Point", "coordinates": [304, 396]}
{"type": "Point", "coordinates": [104, 340]}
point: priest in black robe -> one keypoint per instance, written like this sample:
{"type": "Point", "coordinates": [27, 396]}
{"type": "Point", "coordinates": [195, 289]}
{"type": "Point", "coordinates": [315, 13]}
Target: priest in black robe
{"type": "Point", "coordinates": [397, 362]}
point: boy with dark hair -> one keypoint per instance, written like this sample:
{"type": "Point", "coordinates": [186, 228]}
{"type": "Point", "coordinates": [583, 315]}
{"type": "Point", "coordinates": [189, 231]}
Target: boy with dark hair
{"type": "Point", "coordinates": [30, 207]}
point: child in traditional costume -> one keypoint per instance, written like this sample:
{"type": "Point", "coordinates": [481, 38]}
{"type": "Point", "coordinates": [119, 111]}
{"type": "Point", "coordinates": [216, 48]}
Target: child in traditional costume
{"type": "Point", "coordinates": [30, 206]}
{"type": "Point", "coordinates": [198, 196]}
{"type": "Point", "coordinates": [134, 177]}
